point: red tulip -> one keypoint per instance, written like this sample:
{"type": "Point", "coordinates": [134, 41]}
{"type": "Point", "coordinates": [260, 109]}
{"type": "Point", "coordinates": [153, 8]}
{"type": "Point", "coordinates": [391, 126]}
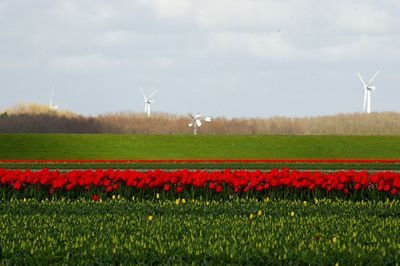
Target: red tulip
{"type": "Point", "coordinates": [17, 185]}
{"type": "Point", "coordinates": [212, 186]}
{"type": "Point", "coordinates": [95, 197]}
{"type": "Point", "coordinates": [166, 187]}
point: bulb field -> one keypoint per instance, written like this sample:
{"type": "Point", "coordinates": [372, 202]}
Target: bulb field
{"type": "Point", "coordinates": [190, 231]}
{"type": "Point", "coordinates": [275, 216]}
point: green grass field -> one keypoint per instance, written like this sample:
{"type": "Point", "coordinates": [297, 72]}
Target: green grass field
{"type": "Point", "coordinates": [74, 146]}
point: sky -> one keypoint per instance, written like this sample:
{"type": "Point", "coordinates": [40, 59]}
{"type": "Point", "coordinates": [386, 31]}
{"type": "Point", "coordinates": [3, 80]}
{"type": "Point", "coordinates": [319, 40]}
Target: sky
{"type": "Point", "coordinates": [224, 58]}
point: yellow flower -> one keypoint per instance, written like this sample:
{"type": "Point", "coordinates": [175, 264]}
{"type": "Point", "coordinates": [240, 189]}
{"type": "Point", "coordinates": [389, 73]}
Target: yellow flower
{"type": "Point", "coordinates": [266, 200]}
{"type": "Point", "coordinates": [157, 195]}
{"type": "Point", "coordinates": [113, 197]}
{"type": "Point", "coordinates": [183, 201]}
{"type": "Point", "coordinates": [24, 199]}
{"type": "Point", "coordinates": [259, 213]}
{"type": "Point", "coordinates": [292, 213]}
{"type": "Point", "coordinates": [337, 264]}
{"type": "Point", "coordinates": [305, 203]}
{"type": "Point", "coordinates": [177, 201]}
{"type": "Point", "coordinates": [334, 240]}
{"type": "Point", "coordinates": [251, 216]}
{"type": "Point", "coordinates": [150, 218]}
{"type": "Point", "coordinates": [119, 196]}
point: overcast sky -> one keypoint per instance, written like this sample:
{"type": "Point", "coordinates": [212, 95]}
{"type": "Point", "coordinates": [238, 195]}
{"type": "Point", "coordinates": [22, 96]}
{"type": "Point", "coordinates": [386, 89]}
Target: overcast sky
{"type": "Point", "coordinates": [232, 58]}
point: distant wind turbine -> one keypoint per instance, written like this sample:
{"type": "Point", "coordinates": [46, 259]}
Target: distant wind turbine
{"type": "Point", "coordinates": [148, 101]}
{"type": "Point", "coordinates": [367, 91]}
{"type": "Point", "coordinates": [51, 106]}
{"type": "Point", "coordinates": [196, 121]}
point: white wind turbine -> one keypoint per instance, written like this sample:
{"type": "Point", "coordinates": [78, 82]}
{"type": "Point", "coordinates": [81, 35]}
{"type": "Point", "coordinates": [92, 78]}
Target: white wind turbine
{"type": "Point", "coordinates": [196, 121]}
{"type": "Point", "coordinates": [367, 91]}
{"type": "Point", "coordinates": [51, 106]}
{"type": "Point", "coordinates": [148, 101]}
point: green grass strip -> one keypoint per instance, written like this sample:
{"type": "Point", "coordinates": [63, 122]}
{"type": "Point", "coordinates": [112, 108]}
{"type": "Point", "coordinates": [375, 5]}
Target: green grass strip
{"type": "Point", "coordinates": [107, 147]}
{"type": "Point", "coordinates": [214, 166]}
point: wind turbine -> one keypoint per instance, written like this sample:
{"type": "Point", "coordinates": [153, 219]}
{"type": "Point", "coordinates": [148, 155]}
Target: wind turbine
{"type": "Point", "coordinates": [196, 121]}
{"type": "Point", "coordinates": [51, 106]}
{"type": "Point", "coordinates": [367, 91]}
{"type": "Point", "coordinates": [148, 101]}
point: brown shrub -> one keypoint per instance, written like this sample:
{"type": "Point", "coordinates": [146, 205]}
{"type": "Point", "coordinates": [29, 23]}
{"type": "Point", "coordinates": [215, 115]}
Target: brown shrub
{"type": "Point", "coordinates": [41, 119]}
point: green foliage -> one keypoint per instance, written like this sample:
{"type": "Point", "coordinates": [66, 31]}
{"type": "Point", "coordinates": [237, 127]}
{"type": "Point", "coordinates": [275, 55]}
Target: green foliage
{"type": "Point", "coordinates": [160, 231]}
{"type": "Point", "coordinates": [85, 146]}
{"type": "Point", "coordinates": [207, 165]}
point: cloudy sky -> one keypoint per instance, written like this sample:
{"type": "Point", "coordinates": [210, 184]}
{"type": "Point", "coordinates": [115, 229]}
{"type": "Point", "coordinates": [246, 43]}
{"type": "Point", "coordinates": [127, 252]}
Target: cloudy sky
{"type": "Point", "coordinates": [232, 58]}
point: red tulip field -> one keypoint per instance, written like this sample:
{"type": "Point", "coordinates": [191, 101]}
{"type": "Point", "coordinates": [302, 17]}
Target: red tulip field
{"type": "Point", "coordinates": [285, 183]}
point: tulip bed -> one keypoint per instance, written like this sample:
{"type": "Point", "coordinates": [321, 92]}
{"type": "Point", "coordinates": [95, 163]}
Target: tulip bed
{"type": "Point", "coordinates": [218, 232]}
{"type": "Point", "coordinates": [284, 183]}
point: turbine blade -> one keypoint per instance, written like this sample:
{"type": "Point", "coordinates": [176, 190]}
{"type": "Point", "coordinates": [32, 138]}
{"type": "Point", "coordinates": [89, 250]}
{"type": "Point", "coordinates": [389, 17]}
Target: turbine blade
{"type": "Point", "coordinates": [190, 124]}
{"type": "Point", "coordinates": [359, 75]}
{"type": "Point", "coordinates": [198, 122]}
{"type": "Point", "coordinates": [373, 78]}
{"type": "Point", "coordinates": [151, 95]}
{"type": "Point", "coordinates": [144, 95]}
{"type": "Point", "coordinates": [191, 116]}
{"type": "Point", "coordinates": [208, 119]}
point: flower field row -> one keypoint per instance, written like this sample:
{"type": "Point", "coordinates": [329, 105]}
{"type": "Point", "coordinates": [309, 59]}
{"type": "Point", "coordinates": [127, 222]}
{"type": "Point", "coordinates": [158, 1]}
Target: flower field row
{"type": "Point", "coordinates": [355, 161]}
{"type": "Point", "coordinates": [255, 183]}
{"type": "Point", "coordinates": [376, 165]}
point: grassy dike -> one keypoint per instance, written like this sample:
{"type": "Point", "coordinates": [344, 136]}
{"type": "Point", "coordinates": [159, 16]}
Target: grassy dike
{"type": "Point", "coordinates": [108, 147]}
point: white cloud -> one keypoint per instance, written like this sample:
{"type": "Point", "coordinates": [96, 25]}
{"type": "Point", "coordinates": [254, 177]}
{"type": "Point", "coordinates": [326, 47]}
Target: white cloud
{"type": "Point", "coordinates": [242, 44]}
{"type": "Point", "coordinates": [78, 64]}
{"type": "Point", "coordinates": [244, 14]}
{"type": "Point", "coordinates": [116, 38]}
{"type": "Point", "coordinates": [365, 18]}
{"type": "Point", "coordinates": [172, 8]}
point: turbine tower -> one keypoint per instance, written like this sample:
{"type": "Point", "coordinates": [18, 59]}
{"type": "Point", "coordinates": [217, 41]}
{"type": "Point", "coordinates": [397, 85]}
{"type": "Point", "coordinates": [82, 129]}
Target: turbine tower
{"type": "Point", "coordinates": [367, 91]}
{"type": "Point", "coordinates": [148, 101]}
{"type": "Point", "coordinates": [196, 121]}
{"type": "Point", "coordinates": [51, 106]}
